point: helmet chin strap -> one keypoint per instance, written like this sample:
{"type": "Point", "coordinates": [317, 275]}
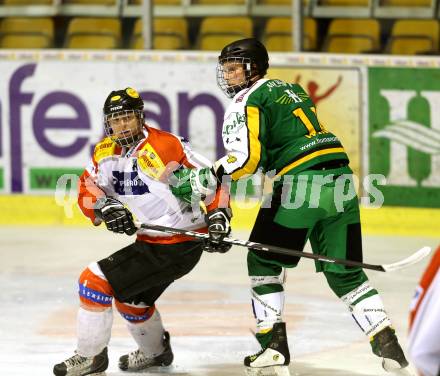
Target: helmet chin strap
{"type": "Point", "coordinates": [247, 83]}
{"type": "Point", "coordinates": [144, 130]}
{"type": "Point", "coordinates": [254, 74]}
{"type": "Point", "coordinates": [255, 78]}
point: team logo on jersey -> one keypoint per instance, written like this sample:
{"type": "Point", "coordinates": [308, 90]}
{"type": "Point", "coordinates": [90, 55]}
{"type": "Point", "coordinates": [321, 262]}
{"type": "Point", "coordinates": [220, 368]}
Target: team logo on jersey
{"type": "Point", "coordinates": [290, 96]}
{"type": "Point", "coordinates": [105, 148]}
{"type": "Point", "coordinates": [150, 162]}
{"type": "Point", "coordinates": [129, 183]}
{"type": "Point", "coordinates": [233, 123]}
{"type": "Point", "coordinates": [284, 99]}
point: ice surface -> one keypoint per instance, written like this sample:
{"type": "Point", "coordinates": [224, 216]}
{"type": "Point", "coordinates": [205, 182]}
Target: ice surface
{"type": "Point", "coordinates": [208, 312]}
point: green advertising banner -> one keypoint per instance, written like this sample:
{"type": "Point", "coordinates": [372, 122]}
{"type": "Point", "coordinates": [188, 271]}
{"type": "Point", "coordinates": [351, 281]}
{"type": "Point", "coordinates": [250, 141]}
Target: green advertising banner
{"type": "Point", "coordinates": [404, 134]}
{"type": "Point", "coordinates": [47, 178]}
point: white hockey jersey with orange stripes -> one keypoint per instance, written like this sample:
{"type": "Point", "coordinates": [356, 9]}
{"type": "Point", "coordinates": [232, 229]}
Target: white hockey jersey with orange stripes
{"type": "Point", "coordinates": [424, 334]}
{"type": "Point", "coordinates": [137, 177]}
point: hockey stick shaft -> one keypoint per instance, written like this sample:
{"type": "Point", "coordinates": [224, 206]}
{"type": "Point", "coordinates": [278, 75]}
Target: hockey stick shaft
{"type": "Point", "coordinates": [423, 252]}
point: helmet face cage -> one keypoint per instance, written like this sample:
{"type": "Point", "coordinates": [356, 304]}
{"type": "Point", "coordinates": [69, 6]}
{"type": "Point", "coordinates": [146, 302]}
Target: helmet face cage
{"type": "Point", "coordinates": [117, 126]}
{"type": "Point", "coordinates": [226, 72]}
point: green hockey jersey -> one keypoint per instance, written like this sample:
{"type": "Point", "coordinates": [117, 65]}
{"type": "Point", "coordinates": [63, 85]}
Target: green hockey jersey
{"type": "Point", "coordinates": [273, 126]}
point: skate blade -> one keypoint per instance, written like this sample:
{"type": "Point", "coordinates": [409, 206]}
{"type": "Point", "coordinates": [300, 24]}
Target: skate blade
{"type": "Point", "coordinates": [394, 367]}
{"type": "Point", "coordinates": [153, 369]}
{"type": "Point", "coordinates": [98, 374]}
{"type": "Point", "coordinates": [267, 371]}
{"type": "Point", "coordinates": [160, 369]}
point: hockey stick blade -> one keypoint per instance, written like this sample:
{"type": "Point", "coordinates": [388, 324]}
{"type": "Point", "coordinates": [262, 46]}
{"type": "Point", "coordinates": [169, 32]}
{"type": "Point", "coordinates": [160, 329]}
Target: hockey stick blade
{"type": "Point", "coordinates": [410, 260]}
{"type": "Point", "coordinates": [416, 257]}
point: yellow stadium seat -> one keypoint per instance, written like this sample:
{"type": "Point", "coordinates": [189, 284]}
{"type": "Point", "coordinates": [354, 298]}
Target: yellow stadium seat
{"type": "Point", "coordinates": [27, 2]}
{"type": "Point", "coordinates": [350, 45]}
{"type": "Point", "coordinates": [278, 34]}
{"type": "Point", "coordinates": [26, 32]}
{"type": "Point", "coordinates": [29, 41]}
{"type": "Point", "coordinates": [103, 42]}
{"type": "Point", "coordinates": [216, 32]}
{"type": "Point", "coordinates": [409, 37]}
{"type": "Point", "coordinates": [99, 33]}
{"type": "Point", "coordinates": [137, 40]}
{"type": "Point", "coordinates": [406, 3]}
{"type": "Point", "coordinates": [350, 3]}
{"type": "Point", "coordinates": [168, 34]}
{"type": "Point", "coordinates": [159, 2]}
{"type": "Point", "coordinates": [353, 36]}
{"type": "Point", "coordinates": [411, 46]}
{"type": "Point", "coordinates": [219, 2]}
{"type": "Point", "coordinates": [90, 2]}
{"type": "Point", "coordinates": [280, 2]}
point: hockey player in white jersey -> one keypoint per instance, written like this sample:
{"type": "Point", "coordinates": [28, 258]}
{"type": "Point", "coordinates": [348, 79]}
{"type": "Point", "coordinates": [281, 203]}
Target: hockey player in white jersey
{"type": "Point", "coordinates": [424, 330]}
{"type": "Point", "coordinates": [128, 174]}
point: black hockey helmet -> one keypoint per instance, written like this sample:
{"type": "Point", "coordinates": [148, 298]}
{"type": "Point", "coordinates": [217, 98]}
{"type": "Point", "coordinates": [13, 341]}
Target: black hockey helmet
{"type": "Point", "coordinates": [123, 104]}
{"type": "Point", "coordinates": [252, 54]}
{"type": "Point", "coordinates": [250, 48]}
{"type": "Point", "coordinates": [125, 99]}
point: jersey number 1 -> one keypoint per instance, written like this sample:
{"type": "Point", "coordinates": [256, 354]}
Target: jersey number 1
{"type": "Point", "coordinates": [299, 113]}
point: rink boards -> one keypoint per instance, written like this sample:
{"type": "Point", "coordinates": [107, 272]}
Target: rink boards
{"type": "Point", "coordinates": [30, 210]}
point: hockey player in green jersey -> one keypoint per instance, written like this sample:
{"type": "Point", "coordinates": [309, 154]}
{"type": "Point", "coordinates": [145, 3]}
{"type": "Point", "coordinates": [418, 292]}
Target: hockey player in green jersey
{"type": "Point", "coordinates": [271, 125]}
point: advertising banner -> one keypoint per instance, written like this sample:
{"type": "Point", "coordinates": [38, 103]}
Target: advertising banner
{"type": "Point", "coordinates": [51, 108]}
{"type": "Point", "coordinates": [52, 112]}
{"type": "Point", "coordinates": [404, 134]}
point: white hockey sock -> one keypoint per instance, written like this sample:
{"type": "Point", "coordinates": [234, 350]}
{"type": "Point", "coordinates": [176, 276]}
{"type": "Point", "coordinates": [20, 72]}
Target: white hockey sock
{"type": "Point", "coordinates": [148, 334]}
{"type": "Point", "coordinates": [369, 313]}
{"type": "Point", "coordinates": [94, 331]}
{"type": "Point", "coordinates": [268, 308]}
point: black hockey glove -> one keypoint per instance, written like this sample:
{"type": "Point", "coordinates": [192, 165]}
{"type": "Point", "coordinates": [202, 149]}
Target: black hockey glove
{"type": "Point", "coordinates": [218, 228]}
{"type": "Point", "coordinates": [117, 218]}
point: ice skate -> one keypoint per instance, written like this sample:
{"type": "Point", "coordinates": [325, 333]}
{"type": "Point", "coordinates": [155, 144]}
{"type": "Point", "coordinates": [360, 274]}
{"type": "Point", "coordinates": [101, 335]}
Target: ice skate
{"type": "Point", "coordinates": [137, 360]}
{"type": "Point", "coordinates": [272, 360]}
{"type": "Point", "coordinates": [386, 345]}
{"type": "Point", "coordinates": [78, 365]}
